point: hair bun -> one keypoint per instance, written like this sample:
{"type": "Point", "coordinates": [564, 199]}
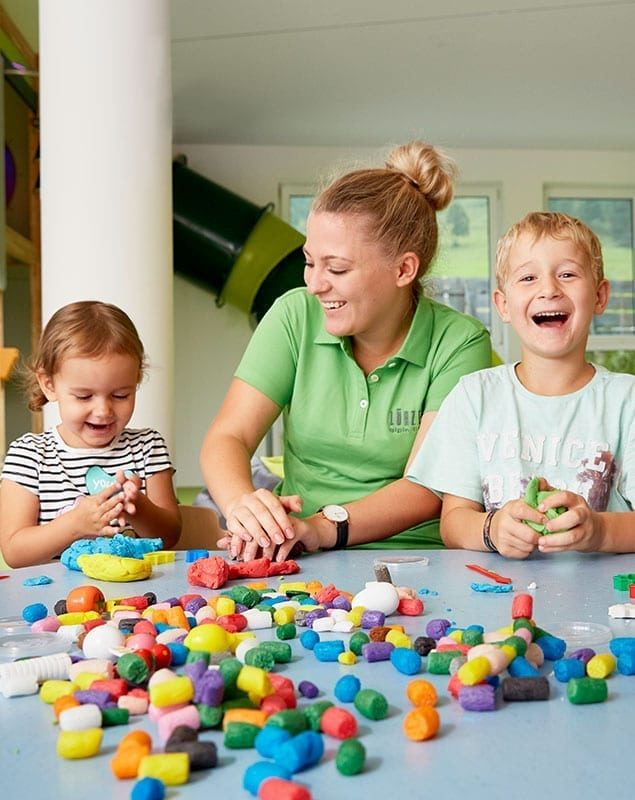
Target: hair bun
{"type": "Point", "coordinates": [427, 168]}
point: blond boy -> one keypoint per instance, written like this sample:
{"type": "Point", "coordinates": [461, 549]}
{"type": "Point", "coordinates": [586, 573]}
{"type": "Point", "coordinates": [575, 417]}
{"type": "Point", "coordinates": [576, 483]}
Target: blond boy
{"type": "Point", "coordinates": [553, 414]}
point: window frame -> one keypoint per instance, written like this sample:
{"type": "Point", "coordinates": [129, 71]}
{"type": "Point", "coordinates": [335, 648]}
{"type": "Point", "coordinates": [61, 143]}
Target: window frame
{"type": "Point", "coordinates": [586, 191]}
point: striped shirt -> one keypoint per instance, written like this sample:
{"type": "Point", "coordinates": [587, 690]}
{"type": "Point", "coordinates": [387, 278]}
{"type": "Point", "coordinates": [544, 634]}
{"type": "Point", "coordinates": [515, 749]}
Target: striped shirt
{"type": "Point", "coordinates": [45, 465]}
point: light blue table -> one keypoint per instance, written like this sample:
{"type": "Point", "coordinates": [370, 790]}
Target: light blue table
{"type": "Point", "coordinates": [523, 750]}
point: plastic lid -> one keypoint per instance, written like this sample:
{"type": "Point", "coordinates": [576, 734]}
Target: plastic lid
{"type": "Point", "coordinates": [397, 561]}
{"type": "Point", "coordinates": [581, 634]}
{"type": "Point", "coordinates": [29, 645]}
{"type": "Point", "coordinates": [13, 625]}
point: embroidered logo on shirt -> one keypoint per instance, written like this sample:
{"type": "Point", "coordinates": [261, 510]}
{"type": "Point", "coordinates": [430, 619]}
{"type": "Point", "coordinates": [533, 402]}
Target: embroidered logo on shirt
{"type": "Point", "coordinates": [403, 420]}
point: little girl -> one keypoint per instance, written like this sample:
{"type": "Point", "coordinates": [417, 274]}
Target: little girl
{"type": "Point", "coordinates": [90, 361]}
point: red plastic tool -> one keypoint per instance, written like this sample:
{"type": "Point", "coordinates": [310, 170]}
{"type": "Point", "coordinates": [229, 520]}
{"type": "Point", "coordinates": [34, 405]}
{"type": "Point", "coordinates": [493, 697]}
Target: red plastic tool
{"type": "Point", "coordinates": [488, 573]}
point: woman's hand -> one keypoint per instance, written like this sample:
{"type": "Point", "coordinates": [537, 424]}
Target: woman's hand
{"type": "Point", "coordinates": [260, 519]}
{"type": "Point", "coordinates": [578, 528]}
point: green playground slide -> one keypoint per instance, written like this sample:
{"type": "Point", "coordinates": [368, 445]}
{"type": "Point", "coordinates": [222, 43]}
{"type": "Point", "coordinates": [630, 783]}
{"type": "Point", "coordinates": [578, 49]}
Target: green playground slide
{"type": "Point", "coordinates": [242, 253]}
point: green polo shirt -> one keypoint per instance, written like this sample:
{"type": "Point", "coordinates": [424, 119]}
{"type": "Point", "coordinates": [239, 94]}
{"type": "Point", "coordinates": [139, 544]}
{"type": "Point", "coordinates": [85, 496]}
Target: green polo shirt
{"type": "Point", "coordinates": [347, 434]}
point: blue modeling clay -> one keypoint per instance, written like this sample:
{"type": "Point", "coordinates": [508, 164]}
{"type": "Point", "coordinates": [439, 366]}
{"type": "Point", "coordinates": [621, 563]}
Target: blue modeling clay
{"type": "Point", "coordinates": [118, 545]}
{"type": "Point", "coordinates": [427, 592]}
{"type": "Point", "coordinates": [41, 580]}
{"type": "Point", "coordinates": [496, 588]}
{"type": "Point", "coordinates": [98, 479]}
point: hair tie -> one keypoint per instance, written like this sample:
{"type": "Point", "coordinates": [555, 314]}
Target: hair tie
{"type": "Point", "coordinates": [412, 182]}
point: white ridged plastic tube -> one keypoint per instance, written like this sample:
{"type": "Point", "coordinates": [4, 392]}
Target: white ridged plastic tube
{"type": "Point", "coordinates": [43, 668]}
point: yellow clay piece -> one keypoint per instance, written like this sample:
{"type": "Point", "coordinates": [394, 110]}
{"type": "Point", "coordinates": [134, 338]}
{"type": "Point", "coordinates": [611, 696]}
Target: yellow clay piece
{"type": "Point", "coordinates": [171, 768]}
{"type": "Point", "coordinates": [509, 651]}
{"type": "Point", "coordinates": [298, 586]}
{"type": "Point", "coordinates": [172, 692]}
{"type": "Point", "coordinates": [105, 567]}
{"type": "Point", "coordinates": [355, 615]}
{"type": "Point", "coordinates": [348, 658]}
{"type": "Point", "coordinates": [224, 605]}
{"type": "Point", "coordinates": [79, 744]}
{"type": "Point", "coordinates": [601, 665]}
{"type": "Point", "coordinates": [51, 690]}
{"type": "Point", "coordinates": [399, 639]}
{"type": "Point", "coordinates": [77, 617]}
{"type": "Point", "coordinates": [474, 671]}
{"type": "Point", "coordinates": [284, 615]}
{"type": "Point", "coordinates": [254, 680]}
{"type": "Point", "coordinates": [83, 680]}
{"type": "Point", "coordinates": [112, 606]}
{"type": "Point", "coordinates": [160, 557]}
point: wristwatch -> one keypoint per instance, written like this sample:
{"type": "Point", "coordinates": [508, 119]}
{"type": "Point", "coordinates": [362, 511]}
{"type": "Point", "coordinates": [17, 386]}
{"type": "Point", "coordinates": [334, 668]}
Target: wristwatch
{"type": "Point", "coordinates": [338, 515]}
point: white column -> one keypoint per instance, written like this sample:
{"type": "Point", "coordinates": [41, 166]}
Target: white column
{"type": "Point", "coordinates": [106, 180]}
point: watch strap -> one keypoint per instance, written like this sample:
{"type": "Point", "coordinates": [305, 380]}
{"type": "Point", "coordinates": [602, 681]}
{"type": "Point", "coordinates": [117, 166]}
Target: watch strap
{"type": "Point", "coordinates": [341, 540]}
{"type": "Point", "coordinates": [341, 534]}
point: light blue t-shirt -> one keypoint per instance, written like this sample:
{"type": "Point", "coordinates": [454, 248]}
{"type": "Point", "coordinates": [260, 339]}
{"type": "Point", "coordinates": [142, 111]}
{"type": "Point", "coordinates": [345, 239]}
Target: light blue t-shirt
{"type": "Point", "coordinates": [491, 436]}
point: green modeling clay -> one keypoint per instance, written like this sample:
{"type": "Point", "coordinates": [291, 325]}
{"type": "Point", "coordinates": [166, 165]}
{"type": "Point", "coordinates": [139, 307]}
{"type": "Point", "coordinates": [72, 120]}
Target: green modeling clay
{"type": "Point", "coordinates": [533, 498]}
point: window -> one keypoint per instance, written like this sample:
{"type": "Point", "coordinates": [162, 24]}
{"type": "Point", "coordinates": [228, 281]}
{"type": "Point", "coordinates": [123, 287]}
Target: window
{"type": "Point", "coordinates": [295, 204]}
{"type": "Point", "coordinates": [462, 274]}
{"type": "Point", "coordinates": [610, 213]}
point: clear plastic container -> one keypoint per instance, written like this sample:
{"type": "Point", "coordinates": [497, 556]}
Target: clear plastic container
{"type": "Point", "coordinates": [581, 634]}
{"type": "Point", "coordinates": [400, 570]}
{"type": "Point", "coordinates": [15, 646]}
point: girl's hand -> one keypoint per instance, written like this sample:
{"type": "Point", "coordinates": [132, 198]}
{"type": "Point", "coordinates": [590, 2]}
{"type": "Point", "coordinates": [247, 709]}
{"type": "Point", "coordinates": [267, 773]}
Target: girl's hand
{"type": "Point", "coordinates": [512, 537]}
{"type": "Point", "coordinates": [260, 519]}
{"type": "Point", "coordinates": [93, 514]}
{"type": "Point", "coordinates": [577, 528]}
{"type": "Point", "coordinates": [131, 488]}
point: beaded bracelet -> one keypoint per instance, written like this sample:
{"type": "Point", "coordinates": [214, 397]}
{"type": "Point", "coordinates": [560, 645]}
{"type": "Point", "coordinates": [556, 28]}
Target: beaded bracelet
{"type": "Point", "coordinates": [487, 524]}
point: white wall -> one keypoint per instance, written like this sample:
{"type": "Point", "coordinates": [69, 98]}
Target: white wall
{"type": "Point", "coordinates": [209, 340]}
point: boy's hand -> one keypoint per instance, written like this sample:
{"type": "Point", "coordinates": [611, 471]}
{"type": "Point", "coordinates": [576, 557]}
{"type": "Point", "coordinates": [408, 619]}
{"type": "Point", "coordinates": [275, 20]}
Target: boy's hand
{"type": "Point", "coordinates": [576, 529]}
{"type": "Point", "coordinates": [93, 514]}
{"type": "Point", "coordinates": [512, 537]}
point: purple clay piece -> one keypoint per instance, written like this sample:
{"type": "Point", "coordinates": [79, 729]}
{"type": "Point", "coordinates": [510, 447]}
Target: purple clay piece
{"type": "Point", "coordinates": [342, 603]}
{"type": "Point", "coordinates": [97, 696]}
{"type": "Point", "coordinates": [308, 689]}
{"type": "Point", "coordinates": [481, 697]}
{"type": "Point", "coordinates": [377, 651]}
{"type": "Point", "coordinates": [585, 654]}
{"type": "Point", "coordinates": [437, 628]}
{"type": "Point", "coordinates": [372, 619]}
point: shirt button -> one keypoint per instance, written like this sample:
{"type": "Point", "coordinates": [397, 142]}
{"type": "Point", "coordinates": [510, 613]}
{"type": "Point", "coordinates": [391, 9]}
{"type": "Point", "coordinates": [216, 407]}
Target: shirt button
{"type": "Point", "coordinates": [392, 364]}
{"type": "Point", "coordinates": [363, 403]}
{"type": "Point", "coordinates": [373, 378]}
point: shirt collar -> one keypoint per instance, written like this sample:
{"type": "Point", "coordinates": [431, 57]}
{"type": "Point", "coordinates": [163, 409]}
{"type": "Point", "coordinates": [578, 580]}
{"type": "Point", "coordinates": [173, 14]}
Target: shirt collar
{"type": "Point", "coordinates": [416, 345]}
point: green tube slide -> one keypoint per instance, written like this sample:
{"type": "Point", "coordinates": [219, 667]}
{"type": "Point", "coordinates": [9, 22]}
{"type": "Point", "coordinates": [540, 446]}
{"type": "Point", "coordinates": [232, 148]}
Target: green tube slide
{"type": "Point", "coordinates": [242, 253]}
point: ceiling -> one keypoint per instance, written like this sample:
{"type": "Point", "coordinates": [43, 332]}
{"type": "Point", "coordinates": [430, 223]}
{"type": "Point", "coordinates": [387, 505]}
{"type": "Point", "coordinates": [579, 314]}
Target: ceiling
{"type": "Point", "coordinates": [462, 73]}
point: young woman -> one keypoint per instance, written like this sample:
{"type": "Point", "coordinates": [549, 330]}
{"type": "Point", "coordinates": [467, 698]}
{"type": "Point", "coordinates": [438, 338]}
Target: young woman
{"type": "Point", "coordinates": [358, 362]}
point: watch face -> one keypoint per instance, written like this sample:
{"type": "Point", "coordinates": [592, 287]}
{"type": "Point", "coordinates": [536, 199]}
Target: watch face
{"type": "Point", "coordinates": [335, 513]}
